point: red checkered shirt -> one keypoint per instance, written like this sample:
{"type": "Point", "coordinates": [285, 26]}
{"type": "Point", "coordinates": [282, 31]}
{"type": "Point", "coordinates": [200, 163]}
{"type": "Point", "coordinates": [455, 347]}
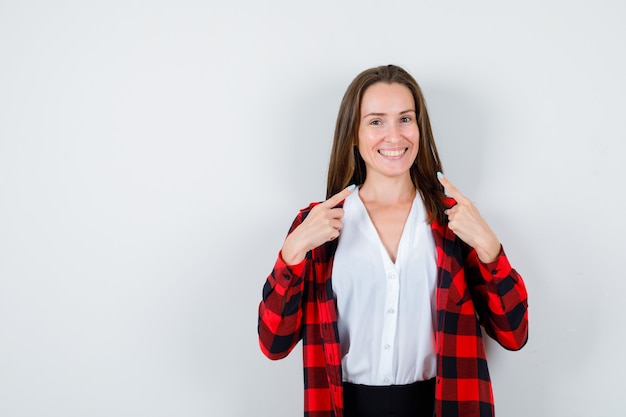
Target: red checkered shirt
{"type": "Point", "coordinates": [298, 303]}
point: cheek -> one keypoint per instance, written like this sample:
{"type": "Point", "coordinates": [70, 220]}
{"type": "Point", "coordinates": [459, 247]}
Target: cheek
{"type": "Point", "coordinates": [417, 144]}
{"type": "Point", "coordinates": [364, 139]}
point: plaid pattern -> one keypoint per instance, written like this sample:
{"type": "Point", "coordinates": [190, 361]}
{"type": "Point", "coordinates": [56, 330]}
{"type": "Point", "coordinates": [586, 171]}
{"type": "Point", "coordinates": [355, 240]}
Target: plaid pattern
{"type": "Point", "coordinates": [298, 304]}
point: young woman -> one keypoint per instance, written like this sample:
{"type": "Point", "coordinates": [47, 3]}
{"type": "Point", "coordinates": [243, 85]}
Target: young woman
{"type": "Point", "coordinates": [388, 281]}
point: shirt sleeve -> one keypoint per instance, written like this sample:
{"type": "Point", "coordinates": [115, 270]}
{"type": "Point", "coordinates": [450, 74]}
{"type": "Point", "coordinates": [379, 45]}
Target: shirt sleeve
{"type": "Point", "coordinates": [500, 299]}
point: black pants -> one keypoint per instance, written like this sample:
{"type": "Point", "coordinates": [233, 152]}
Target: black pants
{"type": "Point", "coordinates": [413, 400]}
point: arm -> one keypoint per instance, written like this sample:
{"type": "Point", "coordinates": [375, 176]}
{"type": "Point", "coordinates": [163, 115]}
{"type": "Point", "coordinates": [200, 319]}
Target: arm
{"type": "Point", "coordinates": [280, 312]}
{"type": "Point", "coordinates": [498, 291]}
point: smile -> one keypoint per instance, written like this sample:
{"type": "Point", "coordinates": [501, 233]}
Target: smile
{"type": "Point", "coordinates": [392, 154]}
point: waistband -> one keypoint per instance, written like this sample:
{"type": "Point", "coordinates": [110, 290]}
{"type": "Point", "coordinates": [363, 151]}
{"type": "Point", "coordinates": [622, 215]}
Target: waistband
{"type": "Point", "coordinates": [412, 400]}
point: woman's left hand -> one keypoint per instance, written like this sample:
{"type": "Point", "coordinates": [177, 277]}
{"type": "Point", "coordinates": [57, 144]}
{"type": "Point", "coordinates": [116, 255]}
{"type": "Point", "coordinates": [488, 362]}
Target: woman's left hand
{"type": "Point", "coordinates": [467, 223]}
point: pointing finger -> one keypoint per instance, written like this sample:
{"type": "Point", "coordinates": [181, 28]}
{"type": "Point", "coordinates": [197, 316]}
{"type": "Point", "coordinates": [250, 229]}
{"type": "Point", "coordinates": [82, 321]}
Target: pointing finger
{"type": "Point", "coordinates": [339, 197]}
{"type": "Point", "coordinates": [452, 190]}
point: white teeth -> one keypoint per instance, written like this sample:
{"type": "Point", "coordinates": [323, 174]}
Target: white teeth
{"type": "Point", "coordinates": [392, 153]}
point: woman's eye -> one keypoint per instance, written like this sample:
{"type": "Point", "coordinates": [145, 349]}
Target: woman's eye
{"type": "Point", "coordinates": [376, 122]}
{"type": "Point", "coordinates": [405, 119]}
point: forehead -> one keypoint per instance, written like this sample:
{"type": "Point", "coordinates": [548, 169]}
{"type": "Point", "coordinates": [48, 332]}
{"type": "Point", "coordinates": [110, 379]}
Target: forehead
{"type": "Point", "coordinates": [385, 98]}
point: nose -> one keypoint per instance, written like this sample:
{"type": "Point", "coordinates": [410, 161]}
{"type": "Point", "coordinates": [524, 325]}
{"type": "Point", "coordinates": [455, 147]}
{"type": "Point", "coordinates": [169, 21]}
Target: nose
{"type": "Point", "coordinates": [393, 133]}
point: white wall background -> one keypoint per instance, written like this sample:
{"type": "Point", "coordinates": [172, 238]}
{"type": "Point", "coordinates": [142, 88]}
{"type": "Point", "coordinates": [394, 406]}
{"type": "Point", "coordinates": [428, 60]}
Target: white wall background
{"type": "Point", "coordinates": [154, 153]}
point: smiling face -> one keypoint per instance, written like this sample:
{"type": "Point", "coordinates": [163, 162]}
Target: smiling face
{"type": "Point", "coordinates": [388, 134]}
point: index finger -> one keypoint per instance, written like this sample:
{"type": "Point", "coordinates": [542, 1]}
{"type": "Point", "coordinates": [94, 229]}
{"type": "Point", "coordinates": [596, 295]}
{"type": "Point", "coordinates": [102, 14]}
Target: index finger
{"type": "Point", "coordinates": [339, 197]}
{"type": "Point", "coordinates": [452, 190]}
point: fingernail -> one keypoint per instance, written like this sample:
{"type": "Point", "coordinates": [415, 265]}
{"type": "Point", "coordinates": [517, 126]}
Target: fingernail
{"type": "Point", "coordinates": [439, 175]}
{"type": "Point", "coordinates": [351, 187]}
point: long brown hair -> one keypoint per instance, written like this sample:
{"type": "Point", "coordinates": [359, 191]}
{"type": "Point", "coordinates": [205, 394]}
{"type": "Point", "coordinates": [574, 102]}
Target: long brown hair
{"type": "Point", "coordinates": [346, 164]}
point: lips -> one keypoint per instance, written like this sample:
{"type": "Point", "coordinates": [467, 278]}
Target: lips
{"type": "Point", "coordinates": [392, 153]}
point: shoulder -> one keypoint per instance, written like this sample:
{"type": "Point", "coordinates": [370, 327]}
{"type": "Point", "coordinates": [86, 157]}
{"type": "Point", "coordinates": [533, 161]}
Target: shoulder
{"type": "Point", "coordinates": [448, 202]}
{"type": "Point", "coordinates": [306, 210]}
{"type": "Point", "coordinates": [302, 213]}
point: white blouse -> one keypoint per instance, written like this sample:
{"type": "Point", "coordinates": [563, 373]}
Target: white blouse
{"type": "Point", "coordinates": [386, 310]}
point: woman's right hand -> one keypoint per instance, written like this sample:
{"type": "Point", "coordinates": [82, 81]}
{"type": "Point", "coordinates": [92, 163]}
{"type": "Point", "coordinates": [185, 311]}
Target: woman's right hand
{"type": "Point", "coordinates": [322, 225]}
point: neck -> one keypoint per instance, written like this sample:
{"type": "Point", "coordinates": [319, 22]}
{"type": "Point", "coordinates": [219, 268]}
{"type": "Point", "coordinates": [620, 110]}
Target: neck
{"type": "Point", "coordinates": [388, 190]}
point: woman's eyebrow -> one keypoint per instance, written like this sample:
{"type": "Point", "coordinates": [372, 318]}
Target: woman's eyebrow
{"type": "Point", "coordinates": [374, 114]}
{"type": "Point", "coordinates": [385, 114]}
